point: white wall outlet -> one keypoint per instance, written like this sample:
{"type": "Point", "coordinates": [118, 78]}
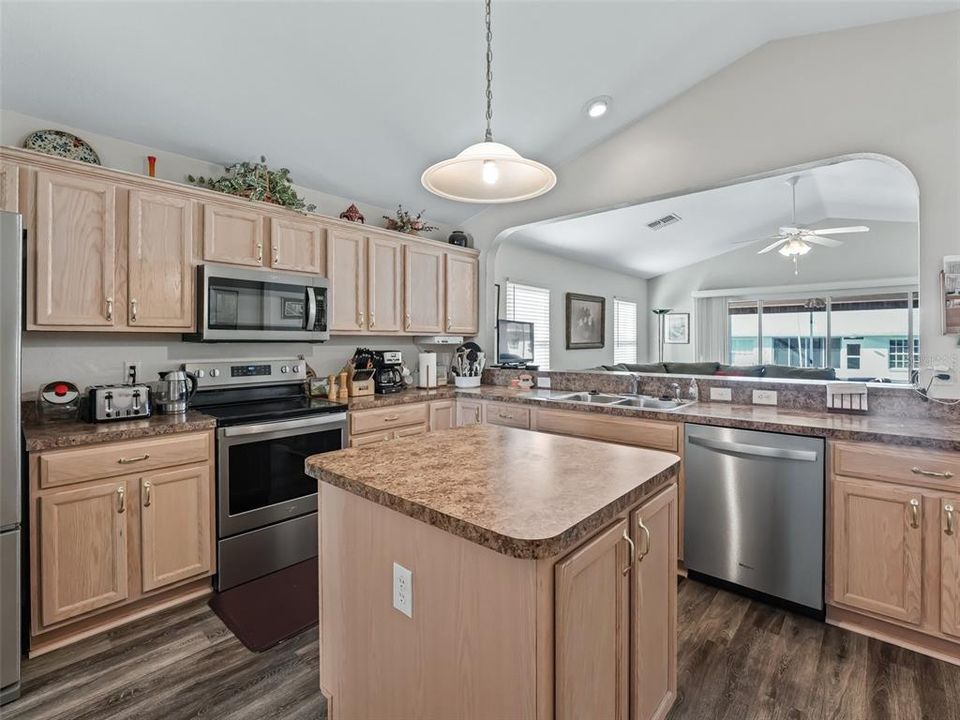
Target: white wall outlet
{"type": "Point", "coordinates": [543, 381]}
{"type": "Point", "coordinates": [403, 590]}
{"type": "Point", "coordinates": [132, 369]}
{"type": "Point", "coordinates": [721, 394]}
{"type": "Point", "coordinates": [764, 397]}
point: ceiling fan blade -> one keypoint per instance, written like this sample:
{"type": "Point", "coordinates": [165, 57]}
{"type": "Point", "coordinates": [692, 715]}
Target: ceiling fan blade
{"type": "Point", "coordinates": [790, 230]}
{"type": "Point", "coordinates": [768, 248]}
{"type": "Point", "coordinates": [754, 241]}
{"type": "Point", "coordinates": [841, 230]}
{"type": "Point", "coordinates": [823, 240]}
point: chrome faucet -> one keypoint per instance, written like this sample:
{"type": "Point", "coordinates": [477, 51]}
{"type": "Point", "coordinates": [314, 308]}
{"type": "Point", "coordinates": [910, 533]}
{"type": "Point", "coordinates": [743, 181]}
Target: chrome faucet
{"type": "Point", "coordinates": [636, 384]}
{"type": "Point", "coordinates": [676, 390]}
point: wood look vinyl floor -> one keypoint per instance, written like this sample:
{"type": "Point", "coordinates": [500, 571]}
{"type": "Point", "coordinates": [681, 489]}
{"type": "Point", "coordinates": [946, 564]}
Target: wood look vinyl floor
{"type": "Point", "coordinates": [738, 660]}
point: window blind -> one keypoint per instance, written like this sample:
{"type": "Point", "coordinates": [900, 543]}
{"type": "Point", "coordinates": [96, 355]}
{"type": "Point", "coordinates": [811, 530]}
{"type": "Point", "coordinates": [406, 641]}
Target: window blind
{"type": "Point", "coordinates": [532, 304]}
{"type": "Point", "coordinates": [624, 331]}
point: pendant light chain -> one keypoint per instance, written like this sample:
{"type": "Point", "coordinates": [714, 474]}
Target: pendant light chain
{"type": "Point", "coordinates": [489, 135]}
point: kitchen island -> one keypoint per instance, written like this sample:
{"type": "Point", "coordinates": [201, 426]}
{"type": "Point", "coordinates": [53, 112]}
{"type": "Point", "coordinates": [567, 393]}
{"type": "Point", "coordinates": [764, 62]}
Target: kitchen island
{"type": "Point", "coordinates": [542, 577]}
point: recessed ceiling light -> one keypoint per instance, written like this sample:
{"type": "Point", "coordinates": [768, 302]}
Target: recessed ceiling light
{"type": "Point", "coordinates": [598, 106]}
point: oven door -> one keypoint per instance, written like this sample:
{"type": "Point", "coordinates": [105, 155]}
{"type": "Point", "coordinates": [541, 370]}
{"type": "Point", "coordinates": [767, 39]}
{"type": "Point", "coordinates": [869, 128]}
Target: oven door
{"type": "Point", "coordinates": [260, 477]}
{"type": "Point", "coordinates": [237, 304]}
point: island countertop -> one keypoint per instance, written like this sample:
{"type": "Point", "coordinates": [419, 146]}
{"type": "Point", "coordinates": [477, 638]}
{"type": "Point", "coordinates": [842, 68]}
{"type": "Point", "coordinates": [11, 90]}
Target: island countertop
{"type": "Point", "coordinates": [520, 493]}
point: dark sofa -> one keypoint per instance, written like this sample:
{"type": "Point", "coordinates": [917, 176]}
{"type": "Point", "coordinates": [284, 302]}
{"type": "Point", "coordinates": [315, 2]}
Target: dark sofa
{"type": "Point", "coordinates": [780, 372]}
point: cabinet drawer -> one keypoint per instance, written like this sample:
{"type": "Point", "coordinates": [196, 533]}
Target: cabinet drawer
{"type": "Point", "coordinates": [412, 430]}
{"type": "Point", "coordinates": [63, 467]}
{"type": "Point", "coordinates": [904, 465]}
{"type": "Point", "coordinates": [371, 438]}
{"type": "Point", "coordinates": [388, 418]}
{"type": "Point", "coordinates": [629, 431]}
{"type": "Point", "coordinates": [509, 415]}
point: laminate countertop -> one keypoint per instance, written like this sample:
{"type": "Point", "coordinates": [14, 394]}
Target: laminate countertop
{"type": "Point", "coordinates": [523, 494]}
{"type": "Point", "coordinates": [52, 435]}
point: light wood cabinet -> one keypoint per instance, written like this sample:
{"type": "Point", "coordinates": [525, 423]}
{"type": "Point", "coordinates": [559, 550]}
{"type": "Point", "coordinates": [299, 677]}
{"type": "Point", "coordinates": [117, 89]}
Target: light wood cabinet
{"type": "Point", "coordinates": [878, 548]}
{"type": "Point", "coordinates": [469, 412]}
{"type": "Point", "coordinates": [75, 251]}
{"type": "Point", "coordinates": [654, 614]}
{"type": "Point", "coordinates": [443, 414]}
{"type": "Point", "coordinates": [384, 285]}
{"type": "Point", "coordinates": [299, 246]}
{"type": "Point", "coordinates": [175, 525]}
{"type": "Point", "coordinates": [9, 187]}
{"type": "Point", "coordinates": [950, 565]}
{"type": "Point", "coordinates": [507, 414]}
{"type": "Point", "coordinates": [462, 294]}
{"type": "Point", "coordinates": [346, 268]}
{"type": "Point", "coordinates": [423, 272]}
{"type": "Point", "coordinates": [655, 434]}
{"type": "Point", "coordinates": [160, 271]}
{"type": "Point", "coordinates": [83, 550]}
{"type": "Point", "coordinates": [592, 632]}
{"type": "Point", "coordinates": [232, 235]}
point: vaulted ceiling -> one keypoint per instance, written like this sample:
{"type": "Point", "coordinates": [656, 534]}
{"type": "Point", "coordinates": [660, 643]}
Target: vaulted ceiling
{"type": "Point", "coordinates": [357, 98]}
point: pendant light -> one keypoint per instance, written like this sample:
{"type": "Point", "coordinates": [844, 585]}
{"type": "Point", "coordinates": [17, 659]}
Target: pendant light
{"type": "Point", "coordinates": [488, 172]}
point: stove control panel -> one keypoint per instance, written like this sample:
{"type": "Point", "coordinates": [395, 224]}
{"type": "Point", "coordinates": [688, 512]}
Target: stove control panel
{"type": "Point", "coordinates": [230, 373]}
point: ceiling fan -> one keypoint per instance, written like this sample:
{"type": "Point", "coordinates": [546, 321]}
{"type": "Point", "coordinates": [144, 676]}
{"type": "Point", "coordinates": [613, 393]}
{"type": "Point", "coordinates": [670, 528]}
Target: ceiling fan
{"type": "Point", "coordinates": [796, 240]}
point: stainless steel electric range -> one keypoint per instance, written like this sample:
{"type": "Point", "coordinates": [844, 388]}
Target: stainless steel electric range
{"type": "Point", "coordinates": [266, 427]}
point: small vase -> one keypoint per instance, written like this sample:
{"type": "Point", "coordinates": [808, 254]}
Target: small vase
{"type": "Point", "coordinates": [458, 237]}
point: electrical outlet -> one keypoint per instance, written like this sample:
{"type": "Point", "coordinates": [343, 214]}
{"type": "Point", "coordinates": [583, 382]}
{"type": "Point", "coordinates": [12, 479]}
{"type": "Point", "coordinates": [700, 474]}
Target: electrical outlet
{"type": "Point", "coordinates": [721, 394]}
{"type": "Point", "coordinates": [132, 370]}
{"type": "Point", "coordinates": [764, 397]}
{"type": "Point", "coordinates": [403, 590]}
{"type": "Point", "coordinates": [543, 381]}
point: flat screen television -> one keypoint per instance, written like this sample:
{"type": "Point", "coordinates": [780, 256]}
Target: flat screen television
{"type": "Point", "coordinates": [514, 342]}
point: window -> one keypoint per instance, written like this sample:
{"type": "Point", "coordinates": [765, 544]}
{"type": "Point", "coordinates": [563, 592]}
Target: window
{"type": "Point", "coordinates": [624, 331]}
{"type": "Point", "coordinates": [897, 353]}
{"type": "Point", "coordinates": [532, 304]}
{"type": "Point", "coordinates": [853, 356]}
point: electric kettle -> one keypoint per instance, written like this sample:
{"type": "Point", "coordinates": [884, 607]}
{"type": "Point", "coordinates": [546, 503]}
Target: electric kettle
{"type": "Point", "coordinates": [172, 392]}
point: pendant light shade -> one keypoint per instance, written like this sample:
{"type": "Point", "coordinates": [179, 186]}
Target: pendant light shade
{"type": "Point", "coordinates": [488, 172]}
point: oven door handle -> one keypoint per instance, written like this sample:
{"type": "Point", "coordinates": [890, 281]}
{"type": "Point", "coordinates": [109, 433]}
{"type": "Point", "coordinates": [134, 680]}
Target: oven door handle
{"type": "Point", "coordinates": [271, 427]}
{"type": "Point", "coordinates": [311, 308]}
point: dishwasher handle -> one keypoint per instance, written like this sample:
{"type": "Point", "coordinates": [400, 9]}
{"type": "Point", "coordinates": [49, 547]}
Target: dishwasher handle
{"type": "Point", "coordinates": [739, 448]}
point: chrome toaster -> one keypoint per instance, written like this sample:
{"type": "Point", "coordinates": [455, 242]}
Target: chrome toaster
{"type": "Point", "coordinates": [117, 402]}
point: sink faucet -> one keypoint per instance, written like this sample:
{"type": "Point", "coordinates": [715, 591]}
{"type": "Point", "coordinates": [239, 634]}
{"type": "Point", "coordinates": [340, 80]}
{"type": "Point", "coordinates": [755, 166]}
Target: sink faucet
{"type": "Point", "coordinates": [636, 384]}
{"type": "Point", "coordinates": [676, 390]}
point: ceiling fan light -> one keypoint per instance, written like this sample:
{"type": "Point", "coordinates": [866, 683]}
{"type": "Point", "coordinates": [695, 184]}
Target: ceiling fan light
{"type": "Point", "coordinates": [488, 172]}
{"type": "Point", "coordinates": [794, 247]}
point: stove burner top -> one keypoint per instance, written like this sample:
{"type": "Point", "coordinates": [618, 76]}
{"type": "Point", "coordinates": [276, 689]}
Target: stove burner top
{"type": "Point", "coordinates": [268, 410]}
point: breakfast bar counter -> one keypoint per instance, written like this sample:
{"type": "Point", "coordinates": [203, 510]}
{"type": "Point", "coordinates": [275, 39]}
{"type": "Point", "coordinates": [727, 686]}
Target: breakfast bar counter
{"type": "Point", "coordinates": [494, 572]}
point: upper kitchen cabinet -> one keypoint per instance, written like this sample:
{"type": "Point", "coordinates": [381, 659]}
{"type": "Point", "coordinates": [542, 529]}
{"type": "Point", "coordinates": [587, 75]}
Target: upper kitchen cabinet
{"type": "Point", "coordinates": [384, 284]}
{"type": "Point", "coordinates": [160, 261]}
{"type": "Point", "coordinates": [346, 272]}
{"type": "Point", "coordinates": [423, 268]}
{"type": "Point", "coordinates": [9, 187]}
{"type": "Point", "coordinates": [462, 294]}
{"type": "Point", "coordinates": [232, 235]}
{"type": "Point", "coordinates": [74, 249]}
{"type": "Point", "coordinates": [300, 246]}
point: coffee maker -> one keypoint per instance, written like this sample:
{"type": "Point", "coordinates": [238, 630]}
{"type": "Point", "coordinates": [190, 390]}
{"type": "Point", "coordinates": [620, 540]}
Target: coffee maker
{"type": "Point", "coordinates": [389, 376]}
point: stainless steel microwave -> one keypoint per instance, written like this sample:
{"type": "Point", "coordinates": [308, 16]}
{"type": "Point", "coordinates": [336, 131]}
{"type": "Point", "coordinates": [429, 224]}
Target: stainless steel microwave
{"type": "Point", "coordinates": [240, 305]}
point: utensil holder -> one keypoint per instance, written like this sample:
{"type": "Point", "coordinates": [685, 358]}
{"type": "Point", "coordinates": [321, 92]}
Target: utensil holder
{"type": "Point", "coordinates": [467, 382]}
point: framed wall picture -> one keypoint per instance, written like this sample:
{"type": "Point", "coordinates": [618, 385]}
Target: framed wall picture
{"type": "Point", "coordinates": [677, 329]}
{"type": "Point", "coordinates": [586, 320]}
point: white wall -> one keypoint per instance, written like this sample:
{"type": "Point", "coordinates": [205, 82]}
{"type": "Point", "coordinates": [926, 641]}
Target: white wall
{"type": "Point", "coordinates": [560, 276]}
{"type": "Point", "coordinates": [892, 88]}
{"type": "Point", "coordinates": [889, 250]}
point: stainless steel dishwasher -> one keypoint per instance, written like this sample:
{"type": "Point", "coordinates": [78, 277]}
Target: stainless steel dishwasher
{"type": "Point", "coordinates": [754, 511]}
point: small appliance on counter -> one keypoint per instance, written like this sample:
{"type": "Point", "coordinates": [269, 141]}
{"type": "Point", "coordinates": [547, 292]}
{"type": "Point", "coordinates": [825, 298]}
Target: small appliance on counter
{"type": "Point", "coordinates": [388, 377]}
{"type": "Point", "coordinates": [106, 403]}
{"type": "Point", "coordinates": [58, 400]}
{"type": "Point", "coordinates": [172, 392]}
{"type": "Point", "coordinates": [427, 372]}
{"type": "Point", "coordinates": [468, 363]}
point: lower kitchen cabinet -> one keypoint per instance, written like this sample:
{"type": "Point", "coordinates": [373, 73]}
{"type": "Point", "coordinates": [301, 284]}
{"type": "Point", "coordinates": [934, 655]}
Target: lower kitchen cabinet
{"type": "Point", "coordinates": [469, 412]}
{"type": "Point", "coordinates": [443, 414]}
{"type": "Point", "coordinates": [950, 566]}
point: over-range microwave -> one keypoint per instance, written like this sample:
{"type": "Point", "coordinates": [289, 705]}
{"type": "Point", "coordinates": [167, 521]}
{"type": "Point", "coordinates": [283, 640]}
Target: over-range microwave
{"type": "Point", "coordinates": [240, 305]}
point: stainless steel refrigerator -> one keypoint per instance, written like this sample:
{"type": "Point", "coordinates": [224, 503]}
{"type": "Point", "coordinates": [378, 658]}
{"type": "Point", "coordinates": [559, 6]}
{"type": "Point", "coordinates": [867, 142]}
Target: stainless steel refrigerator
{"type": "Point", "coordinates": [11, 295]}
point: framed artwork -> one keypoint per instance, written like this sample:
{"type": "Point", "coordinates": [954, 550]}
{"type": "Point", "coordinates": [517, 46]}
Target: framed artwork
{"type": "Point", "coordinates": [677, 329]}
{"type": "Point", "coordinates": [586, 320]}
{"type": "Point", "coordinates": [291, 308]}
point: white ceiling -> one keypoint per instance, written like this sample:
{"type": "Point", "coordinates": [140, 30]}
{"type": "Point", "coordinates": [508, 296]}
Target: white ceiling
{"type": "Point", "coordinates": [357, 98]}
{"type": "Point", "coordinates": [719, 221]}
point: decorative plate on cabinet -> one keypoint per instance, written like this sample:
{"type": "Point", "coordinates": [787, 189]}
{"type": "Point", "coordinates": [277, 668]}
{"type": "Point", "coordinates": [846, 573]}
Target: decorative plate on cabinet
{"type": "Point", "coordinates": [62, 144]}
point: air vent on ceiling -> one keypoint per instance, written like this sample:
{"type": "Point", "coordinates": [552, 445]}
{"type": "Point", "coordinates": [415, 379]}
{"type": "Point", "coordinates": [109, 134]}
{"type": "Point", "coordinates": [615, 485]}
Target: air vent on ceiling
{"type": "Point", "coordinates": [661, 223]}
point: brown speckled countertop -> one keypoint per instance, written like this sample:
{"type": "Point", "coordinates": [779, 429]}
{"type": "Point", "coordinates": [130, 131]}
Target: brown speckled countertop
{"type": "Point", "coordinates": [404, 397]}
{"type": "Point", "coordinates": [40, 436]}
{"type": "Point", "coordinates": [520, 493]}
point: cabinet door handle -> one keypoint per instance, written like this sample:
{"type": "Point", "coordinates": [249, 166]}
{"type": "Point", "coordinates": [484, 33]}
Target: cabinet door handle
{"type": "Point", "coordinates": [476, 412]}
{"type": "Point", "coordinates": [646, 538]}
{"type": "Point", "coordinates": [633, 553]}
{"type": "Point", "coordinates": [109, 308]}
{"type": "Point", "coordinates": [276, 255]}
{"type": "Point", "coordinates": [948, 511]}
{"type": "Point", "coordinates": [133, 310]}
{"type": "Point", "coordinates": [914, 513]}
{"type": "Point", "coordinates": [121, 499]}
{"type": "Point", "coordinates": [260, 252]}
{"type": "Point", "coordinates": [147, 487]}
{"type": "Point", "coordinates": [371, 320]}
{"type": "Point", "coordinates": [449, 324]}
{"type": "Point", "coordinates": [138, 458]}
{"type": "Point", "coordinates": [391, 418]}
{"type": "Point", "coordinates": [505, 416]}
{"type": "Point", "coordinates": [932, 473]}
{"type": "Point", "coordinates": [408, 321]}
{"type": "Point", "coordinates": [360, 321]}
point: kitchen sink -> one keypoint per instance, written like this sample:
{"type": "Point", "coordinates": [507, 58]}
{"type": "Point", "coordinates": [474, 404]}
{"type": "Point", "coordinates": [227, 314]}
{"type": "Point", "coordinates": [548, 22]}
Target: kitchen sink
{"type": "Point", "coordinates": [592, 398]}
{"type": "Point", "coordinates": [652, 403]}
{"type": "Point", "coordinates": [640, 402]}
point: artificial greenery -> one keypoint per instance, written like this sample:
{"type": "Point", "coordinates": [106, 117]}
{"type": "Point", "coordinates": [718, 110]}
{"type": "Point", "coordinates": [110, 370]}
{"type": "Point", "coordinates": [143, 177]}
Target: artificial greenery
{"type": "Point", "coordinates": [255, 181]}
{"type": "Point", "coordinates": [406, 223]}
